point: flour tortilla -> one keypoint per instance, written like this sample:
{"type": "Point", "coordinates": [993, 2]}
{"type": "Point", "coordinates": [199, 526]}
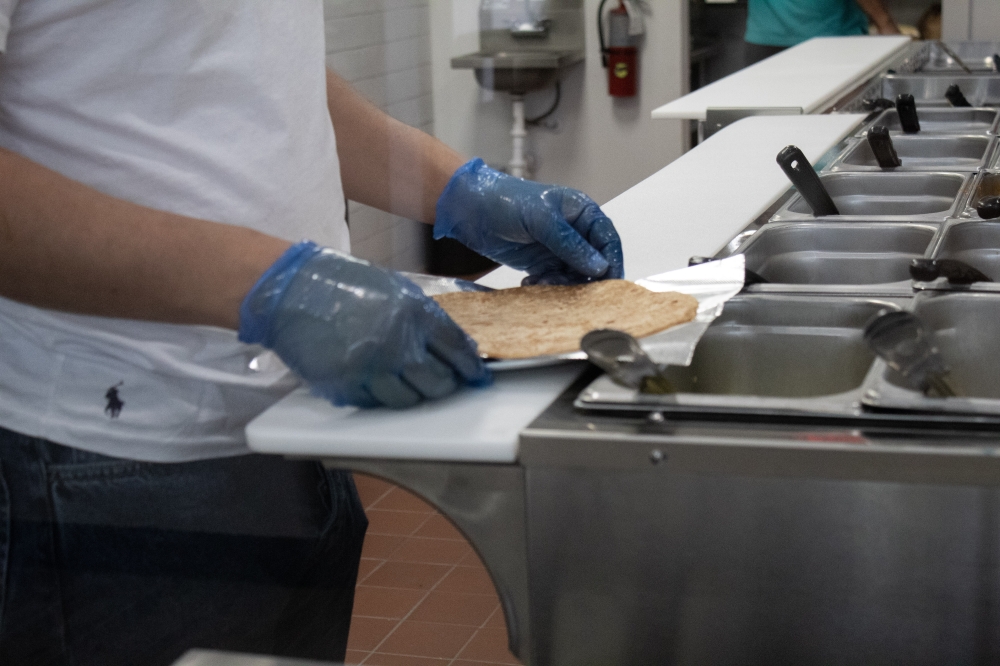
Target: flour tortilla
{"type": "Point", "coordinates": [540, 320]}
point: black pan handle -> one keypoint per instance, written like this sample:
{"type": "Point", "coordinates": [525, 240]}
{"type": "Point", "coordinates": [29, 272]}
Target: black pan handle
{"type": "Point", "coordinates": [906, 107]}
{"type": "Point", "coordinates": [955, 271]}
{"type": "Point", "coordinates": [988, 208]}
{"type": "Point", "coordinates": [955, 96]}
{"type": "Point", "coordinates": [806, 181]}
{"type": "Point", "coordinates": [881, 144]}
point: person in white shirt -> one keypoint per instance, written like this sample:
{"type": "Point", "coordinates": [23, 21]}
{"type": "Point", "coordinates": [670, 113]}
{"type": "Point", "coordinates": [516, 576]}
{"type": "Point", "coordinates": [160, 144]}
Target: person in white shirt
{"type": "Point", "coordinates": [160, 164]}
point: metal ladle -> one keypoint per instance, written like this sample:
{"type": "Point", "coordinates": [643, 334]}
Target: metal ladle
{"type": "Point", "coordinates": [619, 354]}
{"type": "Point", "coordinates": [904, 342]}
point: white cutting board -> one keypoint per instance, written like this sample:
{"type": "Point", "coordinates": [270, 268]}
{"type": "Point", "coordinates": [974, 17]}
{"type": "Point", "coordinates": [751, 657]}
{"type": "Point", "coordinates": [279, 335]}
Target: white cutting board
{"type": "Point", "coordinates": [808, 76]}
{"type": "Point", "coordinates": [693, 206]}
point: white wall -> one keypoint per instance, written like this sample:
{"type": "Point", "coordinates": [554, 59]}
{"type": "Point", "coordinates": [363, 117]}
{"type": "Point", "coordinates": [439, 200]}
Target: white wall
{"type": "Point", "coordinates": [964, 20]}
{"type": "Point", "coordinates": [383, 48]}
{"type": "Point", "coordinates": [603, 145]}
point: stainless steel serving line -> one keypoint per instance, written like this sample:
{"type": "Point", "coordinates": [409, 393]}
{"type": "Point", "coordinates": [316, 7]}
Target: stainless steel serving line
{"type": "Point", "coordinates": [794, 499]}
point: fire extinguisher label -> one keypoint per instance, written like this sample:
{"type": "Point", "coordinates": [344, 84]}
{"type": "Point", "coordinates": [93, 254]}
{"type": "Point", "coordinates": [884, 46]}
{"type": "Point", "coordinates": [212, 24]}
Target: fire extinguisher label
{"type": "Point", "coordinates": [621, 70]}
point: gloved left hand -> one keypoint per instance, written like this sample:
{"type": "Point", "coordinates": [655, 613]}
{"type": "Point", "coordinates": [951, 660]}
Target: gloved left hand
{"type": "Point", "coordinates": [359, 334]}
{"type": "Point", "coordinates": [557, 234]}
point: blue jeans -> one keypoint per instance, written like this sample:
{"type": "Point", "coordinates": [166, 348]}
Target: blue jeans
{"type": "Point", "coordinates": [106, 561]}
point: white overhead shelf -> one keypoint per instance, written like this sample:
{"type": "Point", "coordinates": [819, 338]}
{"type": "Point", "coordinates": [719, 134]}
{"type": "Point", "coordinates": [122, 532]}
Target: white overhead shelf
{"type": "Point", "coordinates": [809, 77]}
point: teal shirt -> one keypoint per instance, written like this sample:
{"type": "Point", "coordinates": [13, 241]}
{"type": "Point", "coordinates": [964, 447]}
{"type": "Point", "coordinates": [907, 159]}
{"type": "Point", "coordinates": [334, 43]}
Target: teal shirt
{"type": "Point", "coordinates": [788, 22]}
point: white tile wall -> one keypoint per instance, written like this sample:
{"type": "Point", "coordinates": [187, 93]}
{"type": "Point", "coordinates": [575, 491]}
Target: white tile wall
{"type": "Point", "coordinates": [383, 48]}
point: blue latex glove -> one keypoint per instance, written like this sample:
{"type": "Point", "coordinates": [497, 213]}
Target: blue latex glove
{"type": "Point", "coordinates": [359, 334]}
{"type": "Point", "coordinates": [557, 234]}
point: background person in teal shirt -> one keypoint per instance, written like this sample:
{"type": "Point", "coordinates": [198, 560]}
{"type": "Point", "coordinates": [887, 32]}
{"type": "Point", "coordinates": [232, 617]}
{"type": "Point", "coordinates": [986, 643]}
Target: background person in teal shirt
{"type": "Point", "coordinates": [774, 25]}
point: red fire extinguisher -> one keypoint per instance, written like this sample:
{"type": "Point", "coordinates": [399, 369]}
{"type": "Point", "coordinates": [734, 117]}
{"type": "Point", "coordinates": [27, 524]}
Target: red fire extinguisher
{"type": "Point", "coordinates": [621, 54]}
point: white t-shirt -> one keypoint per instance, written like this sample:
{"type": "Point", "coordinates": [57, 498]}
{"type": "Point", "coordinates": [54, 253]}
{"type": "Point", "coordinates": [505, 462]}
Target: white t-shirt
{"type": "Point", "coordinates": [210, 108]}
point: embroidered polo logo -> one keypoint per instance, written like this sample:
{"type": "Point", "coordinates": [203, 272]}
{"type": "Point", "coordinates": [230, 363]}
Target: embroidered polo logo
{"type": "Point", "coordinates": [115, 403]}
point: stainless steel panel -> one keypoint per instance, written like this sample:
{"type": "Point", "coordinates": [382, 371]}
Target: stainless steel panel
{"type": "Point", "coordinates": [921, 153]}
{"type": "Point", "coordinates": [836, 257]}
{"type": "Point", "coordinates": [930, 88]}
{"type": "Point", "coordinates": [923, 196]}
{"type": "Point", "coordinates": [657, 567]}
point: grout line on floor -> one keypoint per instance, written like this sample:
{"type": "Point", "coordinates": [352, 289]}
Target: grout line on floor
{"type": "Point", "coordinates": [415, 606]}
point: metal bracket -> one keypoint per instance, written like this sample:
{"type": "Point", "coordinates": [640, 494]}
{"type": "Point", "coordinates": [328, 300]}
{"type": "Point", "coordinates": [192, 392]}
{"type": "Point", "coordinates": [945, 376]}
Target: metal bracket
{"type": "Point", "coordinates": [717, 118]}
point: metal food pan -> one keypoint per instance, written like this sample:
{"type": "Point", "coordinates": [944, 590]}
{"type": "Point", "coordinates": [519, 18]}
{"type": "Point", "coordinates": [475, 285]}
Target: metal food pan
{"type": "Point", "coordinates": [767, 354]}
{"type": "Point", "coordinates": [922, 152]}
{"type": "Point", "coordinates": [929, 89]}
{"type": "Point", "coordinates": [943, 120]}
{"type": "Point", "coordinates": [977, 56]}
{"type": "Point", "coordinates": [973, 242]}
{"type": "Point", "coordinates": [834, 257]}
{"type": "Point", "coordinates": [875, 196]}
{"type": "Point", "coordinates": [977, 243]}
{"type": "Point", "coordinates": [965, 330]}
{"type": "Point", "coordinates": [985, 184]}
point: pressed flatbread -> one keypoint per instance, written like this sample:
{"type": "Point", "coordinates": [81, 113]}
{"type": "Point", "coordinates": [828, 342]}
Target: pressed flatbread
{"type": "Point", "coordinates": [545, 319]}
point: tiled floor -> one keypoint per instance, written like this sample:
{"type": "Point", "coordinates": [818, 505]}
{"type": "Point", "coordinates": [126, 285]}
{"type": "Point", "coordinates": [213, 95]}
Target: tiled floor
{"type": "Point", "coordinates": [423, 596]}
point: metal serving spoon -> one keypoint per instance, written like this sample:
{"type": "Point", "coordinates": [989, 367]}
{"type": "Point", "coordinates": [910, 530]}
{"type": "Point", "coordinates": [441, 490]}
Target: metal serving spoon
{"type": "Point", "coordinates": [619, 354]}
{"type": "Point", "coordinates": [904, 342]}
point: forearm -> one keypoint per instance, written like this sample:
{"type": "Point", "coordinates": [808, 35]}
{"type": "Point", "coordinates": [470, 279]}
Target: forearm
{"type": "Point", "coordinates": [385, 163]}
{"type": "Point", "coordinates": [68, 247]}
{"type": "Point", "coordinates": [879, 15]}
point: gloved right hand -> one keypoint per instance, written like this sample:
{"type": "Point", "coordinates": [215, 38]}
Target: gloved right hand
{"type": "Point", "coordinates": [359, 334]}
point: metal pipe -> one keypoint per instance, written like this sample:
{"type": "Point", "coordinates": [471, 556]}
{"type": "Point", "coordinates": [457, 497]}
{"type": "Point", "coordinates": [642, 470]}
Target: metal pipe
{"type": "Point", "coordinates": [519, 132]}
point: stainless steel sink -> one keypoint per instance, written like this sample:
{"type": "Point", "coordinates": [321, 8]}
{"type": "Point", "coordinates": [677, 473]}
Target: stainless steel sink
{"type": "Point", "coordinates": [918, 196]}
{"type": "Point", "coordinates": [968, 121]}
{"type": "Point", "coordinates": [515, 71]}
{"type": "Point", "coordinates": [921, 153]}
{"type": "Point", "coordinates": [837, 257]}
{"type": "Point", "coordinates": [768, 353]}
{"type": "Point", "coordinates": [929, 89]}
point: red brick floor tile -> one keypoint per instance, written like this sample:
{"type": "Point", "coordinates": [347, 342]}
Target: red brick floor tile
{"type": "Point", "coordinates": [489, 645]}
{"type": "Point", "coordinates": [402, 500]}
{"type": "Point", "coordinates": [407, 575]}
{"type": "Point", "coordinates": [472, 559]}
{"type": "Point", "coordinates": [434, 551]}
{"type": "Point", "coordinates": [467, 609]}
{"type": "Point", "coordinates": [497, 619]}
{"type": "Point", "coordinates": [467, 580]}
{"type": "Point", "coordinates": [379, 659]}
{"type": "Point", "coordinates": [367, 632]}
{"type": "Point", "coordinates": [355, 657]}
{"type": "Point", "coordinates": [366, 567]}
{"type": "Point", "coordinates": [398, 523]}
{"type": "Point", "coordinates": [463, 662]}
{"type": "Point", "coordinates": [384, 602]}
{"type": "Point", "coordinates": [427, 639]}
{"type": "Point", "coordinates": [371, 488]}
{"type": "Point", "coordinates": [381, 546]}
{"type": "Point", "coordinates": [439, 527]}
